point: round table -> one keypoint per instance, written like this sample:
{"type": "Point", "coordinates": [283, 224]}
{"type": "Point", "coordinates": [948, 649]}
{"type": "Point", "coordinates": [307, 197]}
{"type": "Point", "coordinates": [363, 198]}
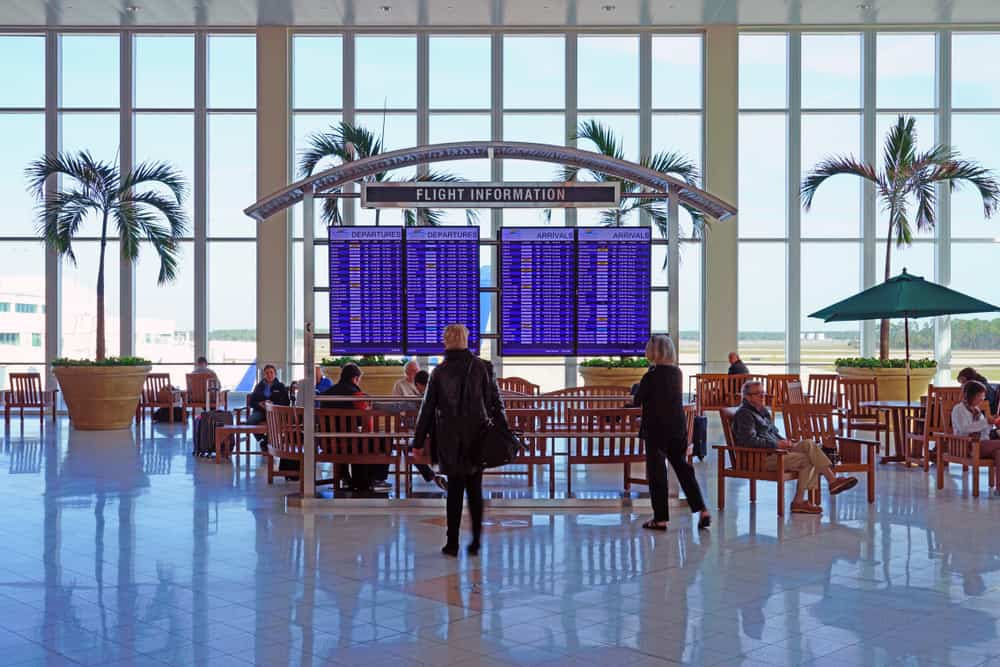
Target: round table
{"type": "Point", "coordinates": [896, 412]}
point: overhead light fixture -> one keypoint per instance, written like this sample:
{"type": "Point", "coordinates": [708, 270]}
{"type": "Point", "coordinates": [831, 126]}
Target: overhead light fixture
{"type": "Point", "coordinates": [864, 6]}
{"type": "Point", "coordinates": [132, 9]}
{"type": "Point", "coordinates": [385, 9]}
{"type": "Point", "coordinates": [608, 8]}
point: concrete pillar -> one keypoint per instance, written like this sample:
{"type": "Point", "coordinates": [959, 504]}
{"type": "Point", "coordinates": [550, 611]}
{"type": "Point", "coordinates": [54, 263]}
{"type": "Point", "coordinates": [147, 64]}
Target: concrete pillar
{"type": "Point", "coordinates": [274, 257]}
{"type": "Point", "coordinates": [720, 324]}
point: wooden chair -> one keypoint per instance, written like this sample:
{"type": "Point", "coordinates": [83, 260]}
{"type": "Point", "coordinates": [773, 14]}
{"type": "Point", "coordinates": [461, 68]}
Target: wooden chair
{"type": "Point", "coordinates": [854, 392]}
{"type": "Point", "coordinates": [715, 391]}
{"type": "Point", "coordinates": [518, 386]}
{"type": "Point", "coordinates": [961, 449]}
{"type": "Point", "coordinates": [26, 392]}
{"type": "Point", "coordinates": [198, 395]}
{"type": "Point", "coordinates": [749, 463]}
{"type": "Point", "coordinates": [156, 393]}
{"type": "Point", "coordinates": [795, 394]}
{"type": "Point", "coordinates": [376, 439]}
{"type": "Point", "coordinates": [604, 436]}
{"type": "Point", "coordinates": [816, 423]}
{"type": "Point", "coordinates": [824, 390]}
{"type": "Point", "coordinates": [920, 432]}
{"type": "Point", "coordinates": [777, 390]}
{"type": "Point", "coordinates": [285, 440]}
{"type": "Point", "coordinates": [539, 449]}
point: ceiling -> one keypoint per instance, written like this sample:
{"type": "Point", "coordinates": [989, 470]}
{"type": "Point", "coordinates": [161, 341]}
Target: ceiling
{"type": "Point", "coordinates": [486, 13]}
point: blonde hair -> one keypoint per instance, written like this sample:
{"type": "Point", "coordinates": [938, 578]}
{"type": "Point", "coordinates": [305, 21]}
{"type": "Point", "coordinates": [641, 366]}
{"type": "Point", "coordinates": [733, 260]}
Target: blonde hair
{"type": "Point", "coordinates": [456, 337]}
{"type": "Point", "coordinates": [660, 350]}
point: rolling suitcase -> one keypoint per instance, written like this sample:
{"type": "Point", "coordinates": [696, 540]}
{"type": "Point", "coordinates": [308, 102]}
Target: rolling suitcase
{"type": "Point", "coordinates": [204, 431]}
{"type": "Point", "coordinates": [699, 437]}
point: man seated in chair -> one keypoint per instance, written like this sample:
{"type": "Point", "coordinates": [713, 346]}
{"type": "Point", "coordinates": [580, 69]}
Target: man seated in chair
{"type": "Point", "coordinates": [753, 427]}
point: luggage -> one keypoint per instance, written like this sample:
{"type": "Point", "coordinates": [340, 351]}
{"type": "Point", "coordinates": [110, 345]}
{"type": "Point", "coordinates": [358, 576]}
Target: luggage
{"type": "Point", "coordinates": [699, 437]}
{"type": "Point", "coordinates": [204, 431]}
{"type": "Point", "coordinates": [500, 446]}
{"type": "Point", "coordinates": [163, 415]}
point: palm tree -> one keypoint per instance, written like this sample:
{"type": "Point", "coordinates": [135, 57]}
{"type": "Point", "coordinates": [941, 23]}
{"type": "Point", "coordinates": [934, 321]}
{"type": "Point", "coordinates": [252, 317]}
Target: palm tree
{"type": "Point", "coordinates": [907, 176]}
{"type": "Point", "coordinates": [145, 204]}
{"type": "Point", "coordinates": [345, 143]}
{"type": "Point", "coordinates": [668, 163]}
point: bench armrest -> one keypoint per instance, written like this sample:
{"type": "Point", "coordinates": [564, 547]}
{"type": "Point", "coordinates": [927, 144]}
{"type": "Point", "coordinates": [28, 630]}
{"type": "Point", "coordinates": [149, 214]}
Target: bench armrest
{"type": "Point", "coordinates": [856, 441]}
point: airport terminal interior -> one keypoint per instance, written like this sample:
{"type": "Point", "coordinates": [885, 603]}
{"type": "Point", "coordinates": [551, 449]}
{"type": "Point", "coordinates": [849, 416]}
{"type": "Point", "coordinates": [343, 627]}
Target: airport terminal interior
{"type": "Point", "coordinates": [690, 302]}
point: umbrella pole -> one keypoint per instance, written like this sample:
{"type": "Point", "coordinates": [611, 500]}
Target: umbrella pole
{"type": "Point", "coordinates": [906, 334]}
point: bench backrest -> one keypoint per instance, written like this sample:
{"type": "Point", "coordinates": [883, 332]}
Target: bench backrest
{"type": "Point", "coordinates": [26, 389]}
{"type": "Point", "coordinates": [777, 389]}
{"type": "Point", "coordinates": [518, 385]}
{"type": "Point", "coordinates": [152, 387]}
{"type": "Point", "coordinates": [940, 402]}
{"type": "Point", "coordinates": [337, 420]}
{"type": "Point", "coordinates": [824, 390]}
{"type": "Point", "coordinates": [197, 387]}
{"type": "Point", "coordinates": [855, 391]}
{"type": "Point", "coordinates": [581, 398]}
{"type": "Point", "coordinates": [531, 421]}
{"type": "Point", "coordinates": [284, 431]}
{"type": "Point", "coordinates": [612, 434]}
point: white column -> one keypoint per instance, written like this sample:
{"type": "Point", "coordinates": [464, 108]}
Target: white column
{"type": "Point", "coordinates": [571, 121]}
{"type": "Point", "coordinates": [53, 265]}
{"type": "Point", "coordinates": [347, 205]}
{"type": "Point", "coordinates": [793, 268]}
{"type": "Point", "coordinates": [869, 212]}
{"type": "Point", "coordinates": [126, 269]}
{"type": "Point", "coordinates": [200, 195]}
{"type": "Point", "coordinates": [496, 174]}
{"type": "Point", "coordinates": [306, 386]}
{"type": "Point", "coordinates": [942, 249]}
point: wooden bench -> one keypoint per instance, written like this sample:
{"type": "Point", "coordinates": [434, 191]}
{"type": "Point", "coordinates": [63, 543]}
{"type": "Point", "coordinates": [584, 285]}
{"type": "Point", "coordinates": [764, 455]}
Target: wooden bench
{"type": "Point", "coordinates": [234, 431]}
{"type": "Point", "coordinates": [534, 424]}
{"type": "Point", "coordinates": [516, 385]}
{"type": "Point", "coordinates": [26, 392]}
{"type": "Point", "coordinates": [604, 436]}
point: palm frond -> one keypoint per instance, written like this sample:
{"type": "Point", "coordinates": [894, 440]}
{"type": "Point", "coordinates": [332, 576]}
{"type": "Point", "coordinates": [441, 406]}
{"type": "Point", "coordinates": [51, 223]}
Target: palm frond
{"type": "Point", "coordinates": [157, 173]}
{"type": "Point", "coordinates": [829, 168]}
{"type": "Point", "coordinates": [88, 173]}
{"type": "Point", "coordinates": [673, 164]}
{"type": "Point", "coordinates": [321, 146]}
{"type": "Point", "coordinates": [159, 204]}
{"type": "Point", "coordinates": [601, 136]}
{"type": "Point", "coordinates": [60, 217]}
{"type": "Point", "coordinates": [900, 147]}
{"type": "Point", "coordinates": [330, 212]}
{"type": "Point", "coordinates": [926, 204]}
{"type": "Point", "coordinates": [359, 142]}
{"type": "Point", "coordinates": [958, 172]}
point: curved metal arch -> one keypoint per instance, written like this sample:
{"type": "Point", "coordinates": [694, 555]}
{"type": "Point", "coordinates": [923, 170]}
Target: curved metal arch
{"type": "Point", "coordinates": [342, 174]}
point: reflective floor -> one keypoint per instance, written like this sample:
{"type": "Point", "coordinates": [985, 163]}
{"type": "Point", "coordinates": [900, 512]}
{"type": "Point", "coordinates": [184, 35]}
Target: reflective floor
{"type": "Point", "coordinates": [125, 551]}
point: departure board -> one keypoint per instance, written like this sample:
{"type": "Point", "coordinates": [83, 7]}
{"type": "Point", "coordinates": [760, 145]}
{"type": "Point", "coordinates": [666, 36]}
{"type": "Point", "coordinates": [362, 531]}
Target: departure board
{"type": "Point", "coordinates": [442, 286]}
{"type": "Point", "coordinates": [612, 302]}
{"type": "Point", "coordinates": [366, 290]}
{"type": "Point", "coordinates": [537, 278]}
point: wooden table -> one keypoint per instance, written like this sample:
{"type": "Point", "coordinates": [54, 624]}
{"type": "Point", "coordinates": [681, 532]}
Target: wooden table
{"type": "Point", "coordinates": [235, 431]}
{"type": "Point", "coordinates": [897, 412]}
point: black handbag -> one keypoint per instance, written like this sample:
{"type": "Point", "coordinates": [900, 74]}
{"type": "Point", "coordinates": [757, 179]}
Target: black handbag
{"type": "Point", "coordinates": [497, 444]}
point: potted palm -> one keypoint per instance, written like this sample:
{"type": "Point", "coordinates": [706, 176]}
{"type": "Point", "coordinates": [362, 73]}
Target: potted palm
{"type": "Point", "coordinates": [144, 205]}
{"type": "Point", "coordinates": [625, 371]}
{"type": "Point", "coordinates": [907, 177]}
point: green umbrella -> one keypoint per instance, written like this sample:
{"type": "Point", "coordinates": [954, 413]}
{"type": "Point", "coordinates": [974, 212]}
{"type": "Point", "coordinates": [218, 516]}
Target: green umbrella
{"type": "Point", "coordinates": [905, 296]}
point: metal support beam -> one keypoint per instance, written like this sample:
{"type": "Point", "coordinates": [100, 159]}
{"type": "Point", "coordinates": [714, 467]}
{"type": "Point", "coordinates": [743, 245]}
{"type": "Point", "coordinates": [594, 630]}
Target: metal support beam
{"type": "Point", "coordinates": [307, 387]}
{"type": "Point", "coordinates": [571, 93]}
{"type": "Point", "coordinates": [347, 208]}
{"type": "Point", "coordinates": [674, 266]}
{"type": "Point", "coordinates": [53, 264]}
{"type": "Point", "coordinates": [126, 154]}
{"type": "Point", "coordinates": [793, 257]}
{"type": "Point", "coordinates": [942, 249]}
{"type": "Point", "coordinates": [869, 212]}
{"type": "Point", "coordinates": [496, 171]}
{"type": "Point", "coordinates": [199, 188]}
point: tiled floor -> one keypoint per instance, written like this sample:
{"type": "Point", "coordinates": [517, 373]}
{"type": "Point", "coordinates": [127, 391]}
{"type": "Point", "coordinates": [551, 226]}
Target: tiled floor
{"type": "Point", "coordinates": [118, 552]}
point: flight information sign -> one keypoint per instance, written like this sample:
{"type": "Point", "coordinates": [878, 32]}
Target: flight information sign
{"type": "Point", "coordinates": [612, 301]}
{"type": "Point", "coordinates": [537, 277]}
{"type": "Point", "coordinates": [442, 286]}
{"type": "Point", "coordinates": [366, 290]}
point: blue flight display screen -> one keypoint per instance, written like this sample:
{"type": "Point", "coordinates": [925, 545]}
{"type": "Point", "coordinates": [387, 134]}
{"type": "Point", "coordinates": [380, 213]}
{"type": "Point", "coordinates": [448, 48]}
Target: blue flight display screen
{"type": "Point", "coordinates": [366, 290]}
{"type": "Point", "coordinates": [442, 286]}
{"type": "Point", "coordinates": [612, 301]}
{"type": "Point", "coordinates": [537, 276]}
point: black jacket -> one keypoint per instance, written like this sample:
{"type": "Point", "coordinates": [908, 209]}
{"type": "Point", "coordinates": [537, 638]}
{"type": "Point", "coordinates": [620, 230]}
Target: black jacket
{"type": "Point", "coordinates": [738, 368]}
{"type": "Point", "coordinates": [661, 396]}
{"type": "Point", "coordinates": [754, 428]}
{"type": "Point", "coordinates": [455, 419]}
{"type": "Point", "coordinates": [279, 396]}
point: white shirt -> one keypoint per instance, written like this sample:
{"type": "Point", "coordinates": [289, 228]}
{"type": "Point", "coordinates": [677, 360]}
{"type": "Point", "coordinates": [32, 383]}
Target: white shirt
{"type": "Point", "coordinates": [963, 423]}
{"type": "Point", "coordinates": [404, 387]}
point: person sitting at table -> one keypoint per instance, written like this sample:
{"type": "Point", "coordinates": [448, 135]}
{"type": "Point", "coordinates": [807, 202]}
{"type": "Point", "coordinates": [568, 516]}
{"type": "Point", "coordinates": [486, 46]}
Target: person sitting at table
{"type": "Point", "coordinates": [968, 418]}
{"type": "Point", "coordinates": [270, 389]}
{"type": "Point", "coordinates": [201, 368]}
{"type": "Point", "coordinates": [753, 427]}
{"type": "Point", "coordinates": [363, 477]}
{"type": "Point", "coordinates": [736, 365]}
{"type": "Point", "coordinates": [992, 390]}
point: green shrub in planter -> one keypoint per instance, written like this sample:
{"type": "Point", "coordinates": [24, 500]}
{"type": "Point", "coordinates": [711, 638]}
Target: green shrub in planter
{"type": "Point", "coordinates": [875, 362]}
{"type": "Point", "coordinates": [624, 362]}
{"type": "Point", "coordinates": [367, 360]}
{"type": "Point", "coordinates": [107, 361]}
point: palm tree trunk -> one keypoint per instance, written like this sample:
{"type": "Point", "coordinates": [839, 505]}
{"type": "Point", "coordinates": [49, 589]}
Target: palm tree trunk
{"type": "Point", "coordinates": [883, 334]}
{"type": "Point", "coordinates": [100, 290]}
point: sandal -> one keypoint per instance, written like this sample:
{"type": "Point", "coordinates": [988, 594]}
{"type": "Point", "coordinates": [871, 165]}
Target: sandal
{"type": "Point", "coordinates": [653, 524]}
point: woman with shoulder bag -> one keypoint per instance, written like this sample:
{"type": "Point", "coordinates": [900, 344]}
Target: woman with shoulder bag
{"type": "Point", "coordinates": [461, 401]}
{"type": "Point", "coordinates": [664, 428]}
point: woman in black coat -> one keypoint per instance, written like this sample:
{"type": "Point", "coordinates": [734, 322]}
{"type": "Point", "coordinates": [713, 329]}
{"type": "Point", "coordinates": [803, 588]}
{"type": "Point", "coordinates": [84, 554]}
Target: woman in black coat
{"type": "Point", "coordinates": [664, 428]}
{"type": "Point", "coordinates": [462, 397]}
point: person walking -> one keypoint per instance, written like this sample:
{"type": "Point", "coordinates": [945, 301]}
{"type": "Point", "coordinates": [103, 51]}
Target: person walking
{"type": "Point", "coordinates": [664, 428]}
{"type": "Point", "coordinates": [462, 398]}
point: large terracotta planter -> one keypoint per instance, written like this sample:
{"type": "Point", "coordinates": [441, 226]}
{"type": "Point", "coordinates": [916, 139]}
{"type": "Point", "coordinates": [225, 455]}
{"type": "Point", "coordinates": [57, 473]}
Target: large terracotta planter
{"type": "Point", "coordinates": [892, 381]}
{"type": "Point", "coordinates": [101, 398]}
{"type": "Point", "coordinates": [596, 376]}
{"type": "Point", "coordinates": [375, 380]}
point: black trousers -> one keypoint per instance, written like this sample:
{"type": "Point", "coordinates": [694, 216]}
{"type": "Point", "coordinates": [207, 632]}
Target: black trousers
{"type": "Point", "coordinates": [472, 486]}
{"type": "Point", "coordinates": [258, 417]}
{"type": "Point", "coordinates": [656, 475]}
{"type": "Point", "coordinates": [425, 471]}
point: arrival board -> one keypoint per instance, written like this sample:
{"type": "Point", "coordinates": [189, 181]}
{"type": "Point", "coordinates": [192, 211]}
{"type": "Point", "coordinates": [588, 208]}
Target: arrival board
{"type": "Point", "coordinates": [537, 279]}
{"type": "Point", "coordinates": [442, 286]}
{"type": "Point", "coordinates": [366, 290]}
{"type": "Point", "coordinates": [612, 299]}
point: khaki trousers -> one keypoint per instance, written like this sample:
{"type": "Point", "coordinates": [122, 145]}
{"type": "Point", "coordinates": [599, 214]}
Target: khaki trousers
{"type": "Point", "coordinates": [807, 459]}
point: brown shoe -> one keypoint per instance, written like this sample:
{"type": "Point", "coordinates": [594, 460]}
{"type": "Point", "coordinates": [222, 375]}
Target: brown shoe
{"type": "Point", "coordinates": [843, 484]}
{"type": "Point", "coordinates": [806, 508]}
